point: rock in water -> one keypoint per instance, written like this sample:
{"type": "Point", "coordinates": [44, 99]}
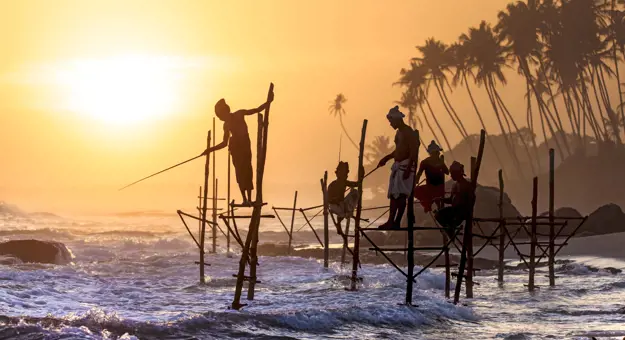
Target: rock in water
{"type": "Point", "coordinates": [35, 251]}
{"type": "Point", "coordinates": [605, 220]}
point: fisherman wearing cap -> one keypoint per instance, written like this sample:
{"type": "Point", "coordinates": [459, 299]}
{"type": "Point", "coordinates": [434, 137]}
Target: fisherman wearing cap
{"type": "Point", "coordinates": [237, 138]}
{"type": "Point", "coordinates": [340, 205]}
{"type": "Point", "coordinates": [435, 170]}
{"type": "Point", "coordinates": [401, 182]}
{"type": "Point", "coordinates": [461, 199]}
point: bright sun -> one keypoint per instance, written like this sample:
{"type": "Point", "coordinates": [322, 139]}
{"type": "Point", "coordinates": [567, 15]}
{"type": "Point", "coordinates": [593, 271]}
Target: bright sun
{"type": "Point", "coordinates": [122, 90]}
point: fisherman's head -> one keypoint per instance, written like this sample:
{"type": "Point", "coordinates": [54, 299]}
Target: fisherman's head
{"type": "Point", "coordinates": [342, 170]}
{"type": "Point", "coordinates": [456, 170]}
{"type": "Point", "coordinates": [222, 109]}
{"type": "Point", "coordinates": [395, 117]}
{"type": "Point", "coordinates": [434, 149]}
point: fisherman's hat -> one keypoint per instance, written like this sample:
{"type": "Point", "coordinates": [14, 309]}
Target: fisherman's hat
{"type": "Point", "coordinates": [394, 113]}
{"type": "Point", "coordinates": [456, 167]}
{"type": "Point", "coordinates": [433, 147]}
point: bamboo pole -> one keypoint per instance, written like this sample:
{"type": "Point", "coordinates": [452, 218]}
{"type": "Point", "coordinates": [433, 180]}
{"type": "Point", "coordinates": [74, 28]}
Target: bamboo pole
{"type": "Point", "coordinates": [532, 264]}
{"type": "Point", "coordinates": [502, 226]}
{"type": "Point", "coordinates": [447, 266]}
{"type": "Point", "coordinates": [552, 278]}
{"type": "Point", "coordinates": [469, 222]}
{"type": "Point", "coordinates": [411, 220]}
{"type": "Point", "coordinates": [469, 239]}
{"type": "Point", "coordinates": [204, 203]}
{"type": "Point", "coordinates": [199, 211]}
{"type": "Point", "coordinates": [292, 222]}
{"type": "Point", "coordinates": [215, 191]}
{"type": "Point", "coordinates": [356, 261]}
{"type": "Point", "coordinates": [214, 180]}
{"type": "Point", "coordinates": [345, 240]}
{"type": "Point", "coordinates": [326, 231]}
{"type": "Point", "coordinates": [228, 202]}
{"type": "Point", "coordinates": [260, 173]}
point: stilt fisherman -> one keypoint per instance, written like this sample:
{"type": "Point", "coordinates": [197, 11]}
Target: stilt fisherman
{"type": "Point", "coordinates": [237, 138]}
{"type": "Point", "coordinates": [401, 182]}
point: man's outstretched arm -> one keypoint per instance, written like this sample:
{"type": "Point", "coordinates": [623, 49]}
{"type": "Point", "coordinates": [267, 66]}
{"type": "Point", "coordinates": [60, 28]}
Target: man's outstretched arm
{"type": "Point", "coordinates": [221, 145]}
{"type": "Point", "coordinates": [258, 109]}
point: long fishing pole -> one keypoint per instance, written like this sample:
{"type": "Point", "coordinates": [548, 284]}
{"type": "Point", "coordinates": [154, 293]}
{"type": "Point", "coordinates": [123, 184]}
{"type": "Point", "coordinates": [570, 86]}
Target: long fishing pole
{"type": "Point", "coordinates": [160, 172]}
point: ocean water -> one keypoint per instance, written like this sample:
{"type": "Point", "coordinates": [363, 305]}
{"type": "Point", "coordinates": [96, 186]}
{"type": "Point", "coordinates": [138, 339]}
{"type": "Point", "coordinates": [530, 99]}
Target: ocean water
{"type": "Point", "coordinates": [135, 278]}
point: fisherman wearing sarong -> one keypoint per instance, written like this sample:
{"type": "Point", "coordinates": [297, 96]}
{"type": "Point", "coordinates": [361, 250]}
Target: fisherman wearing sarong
{"type": "Point", "coordinates": [433, 191]}
{"type": "Point", "coordinates": [237, 138]}
{"type": "Point", "coordinates": [461, 200]}
{"type": "Point", "coordinates": [401, 182]}
{"type": "Point", "coordinates": [341, 205]}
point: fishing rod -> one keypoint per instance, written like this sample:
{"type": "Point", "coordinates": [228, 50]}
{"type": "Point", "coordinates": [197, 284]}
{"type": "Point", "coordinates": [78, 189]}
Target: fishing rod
{"type": "Point", "coordinates": [160, 172]}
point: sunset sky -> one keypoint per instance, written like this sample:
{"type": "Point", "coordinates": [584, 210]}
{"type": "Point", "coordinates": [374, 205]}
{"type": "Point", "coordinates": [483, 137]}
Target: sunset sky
{"type": "Point", "coordinates": [96, 94]}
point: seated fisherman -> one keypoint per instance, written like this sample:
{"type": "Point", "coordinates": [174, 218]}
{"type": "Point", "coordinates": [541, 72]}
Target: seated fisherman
{"type": "Point", "coordinates": [461, 200]}
{"type": "Point", "coordinates": [435, 170]}
{"type": "Point", "coordinates": [340, 205]}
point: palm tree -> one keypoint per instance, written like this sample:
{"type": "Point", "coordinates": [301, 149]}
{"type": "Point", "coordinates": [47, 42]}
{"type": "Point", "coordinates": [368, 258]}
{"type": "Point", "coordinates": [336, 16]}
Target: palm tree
{"type": "Point", "coordinates": [409, 102]}
{"type": "Point", "coordinates": [415, 79]}
{"type": "Point", "coordinates": [435, 58]}
{"type": "Point", "coordinates": [460, 63]}
{"type": "Point", "coordinates": [519, 25]}
{"type": "Point", "coordinates": [336, 108]}
{"type": "Point", "coordinates": [487, 57]}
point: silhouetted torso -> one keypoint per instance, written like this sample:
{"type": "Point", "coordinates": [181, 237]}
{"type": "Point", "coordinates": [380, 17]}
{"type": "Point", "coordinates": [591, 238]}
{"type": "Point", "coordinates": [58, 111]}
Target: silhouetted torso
{"type": "Point", "coordinates": [404, 138]}
{"type": "Point", "coordinates": [239, 135]}
{"type": "Point", "coordinates": [336, 190]}
{"type": "Point", "coordinates": [435, 170]}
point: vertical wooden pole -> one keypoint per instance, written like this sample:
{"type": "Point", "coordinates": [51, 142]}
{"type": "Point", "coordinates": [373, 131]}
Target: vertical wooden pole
{"type": "Point", "coordinates": [552, 277]}
{"type": "Point", "coordinates": [199, 212]}
{"type": "Point", "coordinates": [469, 239]}
{"type": "Point", "coordinates": [326, 231]}
{"type": "Point", "coordinates": [532, 269]}
{"type": "Point", "coordinates": [502, 229]}
{"type": "Point", "coordinates": [361, 175]}
{"type": "Point", "coordinates": [411, 220]}
{"type": "Point", "coordinates": [215, 192]}
{"type": "Point", "coordinates": [292, 222]}
{"type": "Point", "coordinates": [214, 179]}
{"type": "Point", "coordinates": [204, 206]}
{"type": "Point", "coordinates": [348, 221]}
{"type": "Point", "coordinates": [227, 203]}
{"type": "Point", "coordinates": [468, 225]}
{"type": "Point", "coordinates": [251, 241]}
{"type": "Point", "coordinates": [447, 266]}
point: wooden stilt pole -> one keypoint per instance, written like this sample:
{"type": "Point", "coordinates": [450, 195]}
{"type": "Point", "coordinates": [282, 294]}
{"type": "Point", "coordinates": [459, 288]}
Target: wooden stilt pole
{"type": "Point", "coordinates": [411, 220]}
{"type": "Point", "coordinates": [199, 212]}
{"type": "Point", "coordinates": [502, 230]}
{"type": "Point", "coordinates": [214, 180]}
{"type": "Point", "coordinates": [292, 222]}
{"type": "Point", "coordinates": [468, 225]}
{"type": "Point", "coordinates": [469, 240]}
{"type": "Point", "coordinates": [447, 266]}
{"type": "Point", "coordinates": [532, 265]}
{"type": "Point", "coordinates": [552, 277]}
{"type": "Point", "coordinates": [215, 192]}
{"type": "Point", "coordinates": [348, 221]}
{"type": "Point", "coordinates": [227, 203]}
{"type": "Point", "coordinates": [251, 241]}
{"type": "Point", "coordinates": [361, 176]}
{"type": "Point", "coordinates": [204, 206]}
{"type": "Point", "coordinates": [326, 231]}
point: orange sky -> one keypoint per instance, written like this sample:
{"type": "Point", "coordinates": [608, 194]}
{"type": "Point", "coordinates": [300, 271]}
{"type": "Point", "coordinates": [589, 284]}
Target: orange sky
{"type": "Point", "coordinates": [56, 159]}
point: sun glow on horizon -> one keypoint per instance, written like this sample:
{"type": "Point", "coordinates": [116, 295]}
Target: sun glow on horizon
{"type": "Point", "coordinates": [122, 90]}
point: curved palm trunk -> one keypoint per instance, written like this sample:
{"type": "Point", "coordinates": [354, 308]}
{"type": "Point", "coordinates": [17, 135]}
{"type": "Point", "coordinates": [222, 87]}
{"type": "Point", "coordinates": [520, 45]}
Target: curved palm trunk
{"type": "Point", "coordinates": [614, 121]}
{"type": "Point", "coordinates": [346, 134]}
{"type": "Point", "coordinates": [604, 120]}
{"type": "Point", "coordinates": [543, 108]}
{"type": "Point", "coordinates": [515, 159]}
{"type": "Point", "coordinates": [479, 116]}
{"type": "Point", "coordinates": [591, 113]}
{"type": "Point", "coordinates": [530, 125]}
{"type": "Point", "coordinates": [427, 122]}
{"type": "Point", "coordinates": [618, 75]}
{"type": "Point", "coordinates": [516, 128]}
{"type": "Point", "coordinates": [453, 111]}
{"type": "Point", "coordinates": [555, 107]}
{"type": "Point", "coordinates": [440, 94]}
{"type": "Point", "coordinates": [427, 102]}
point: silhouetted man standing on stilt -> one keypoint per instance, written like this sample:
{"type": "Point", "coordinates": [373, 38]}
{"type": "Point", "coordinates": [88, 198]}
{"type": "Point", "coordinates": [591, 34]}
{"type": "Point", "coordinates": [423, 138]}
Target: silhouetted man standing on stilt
{"type": "Point", "coordinates": [237, 138]}
{"type": "Point", "coordinates": [401, 182]}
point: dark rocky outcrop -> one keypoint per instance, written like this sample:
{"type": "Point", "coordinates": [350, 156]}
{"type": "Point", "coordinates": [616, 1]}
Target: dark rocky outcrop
{"type": "Point", "coordinates": [605, 220]}
{"type": "Point", "coordinates": [35, 251]}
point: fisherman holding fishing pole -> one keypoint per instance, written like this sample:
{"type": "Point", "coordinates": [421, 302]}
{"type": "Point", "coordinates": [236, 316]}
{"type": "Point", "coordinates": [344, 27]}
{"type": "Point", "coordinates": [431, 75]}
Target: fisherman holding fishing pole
{"type": "Point", "coordinates": [237, 139]}
{"type": "Point", "coordinates": [401, 183]}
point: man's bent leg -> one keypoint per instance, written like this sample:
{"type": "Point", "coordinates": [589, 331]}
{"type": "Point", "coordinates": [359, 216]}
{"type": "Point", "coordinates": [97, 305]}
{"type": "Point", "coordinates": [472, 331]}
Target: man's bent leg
{"type": "Point", "coordinates": [401, 207]}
